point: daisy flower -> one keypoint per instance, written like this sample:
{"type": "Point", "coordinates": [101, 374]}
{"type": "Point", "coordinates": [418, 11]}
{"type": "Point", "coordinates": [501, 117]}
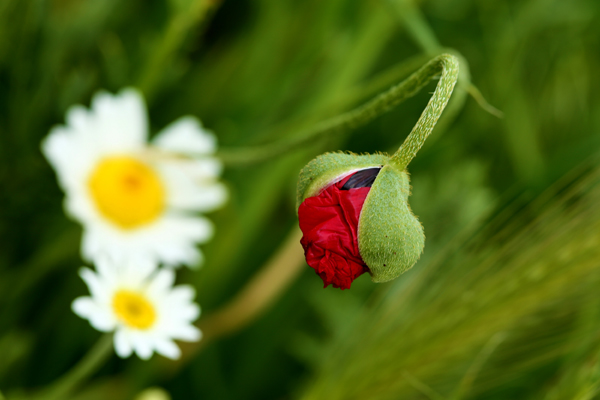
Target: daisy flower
{"type": "Point", "coordinates": [135, 198]}
{"type": "Point", "coordinates": [139, 303]}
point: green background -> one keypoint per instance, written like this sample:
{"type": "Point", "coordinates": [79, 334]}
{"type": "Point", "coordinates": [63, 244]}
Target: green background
{"type": "Point", "coordinates": [504, 303]}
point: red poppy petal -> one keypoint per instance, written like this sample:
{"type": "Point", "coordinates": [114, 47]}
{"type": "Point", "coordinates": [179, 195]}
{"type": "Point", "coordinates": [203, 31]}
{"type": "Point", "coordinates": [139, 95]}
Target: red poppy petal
{"type": "Point", "coordinates": [329, 222]}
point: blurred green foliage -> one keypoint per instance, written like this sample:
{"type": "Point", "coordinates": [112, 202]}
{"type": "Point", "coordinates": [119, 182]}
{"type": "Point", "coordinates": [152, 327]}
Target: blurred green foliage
{"type": "Point", "coordinates": [502, 305]}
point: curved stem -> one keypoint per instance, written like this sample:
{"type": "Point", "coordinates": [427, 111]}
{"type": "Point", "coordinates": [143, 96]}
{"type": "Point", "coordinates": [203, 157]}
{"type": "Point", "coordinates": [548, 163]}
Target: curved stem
{"type": "Point", "coordinates": [262, 290]}
{"type": "Point", "coordinates": [448, 66]}
{"type": "Point", "coordinates": [360, 116]}
{"type": "Point", "coordinates": [253, 300]}
{"type": "Point", "coordinates": [86, 367]}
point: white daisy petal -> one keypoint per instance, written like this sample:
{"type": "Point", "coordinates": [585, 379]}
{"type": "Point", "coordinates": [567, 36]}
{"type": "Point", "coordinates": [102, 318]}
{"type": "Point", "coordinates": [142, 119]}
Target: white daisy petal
{"type": "Point", "coordinates": [199, 228]}
{"type": "Point", "coordinates": [83, 306]}
{"type": "Point", "coordinates": [182, 294]}
{"type": "Point", "coordinates": [91, 247]}
{"type": "Point", "coordinates": [187, 333]}
{"type": "Point", "coordinates": [190, 191]}
{"type": "Point", "coordinates": [142, 346]}
{"type": "Point", "coordinates": [139, 268]}
{"type": "Point", "coordinates": [99, 318]}
{"type": "Point", "coordinates": [78, 208]}
{"type": "Point", "coordinates": [103, 321]}
{"type": "Point", "coordinates": [173, 255]}
{"type": "Point", "coordinates": [57, 147]}
{"type": "Point", "coordinates": [171, 241]}
{"type": "Point", "coordinates": [167, 348]}
{"type": "Point", "coordinates": [195, 257]}
{"type": "Point", "coordinates": [203, 169]}
{"type": "Point", "coordinates": [68, 155]}
{"type": "Point", "coordinates": [191, 312]}
{"type": "Point", "coordinates": [93, 283]}
{"type": "Point", "coordinates": [79, 118]}
{"type": "Point", "coordinates": [106, 268]}
{"type": "Point", "coordinates": [161, 283]}
{"type": "Point", "coordinates": [121, 121]}
{"type": "Point", "coordinates": [208, 198]}
{"type": "Point", "coordinates": [202, 198]}
{"type": "Point", "coordinates": [186, 136]}
{"type": "Point", "coordinates": [123, 346]}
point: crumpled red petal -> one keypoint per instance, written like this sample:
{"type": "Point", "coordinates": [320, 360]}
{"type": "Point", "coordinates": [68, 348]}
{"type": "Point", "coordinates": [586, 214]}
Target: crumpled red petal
{"type": "Point", "coordinates": [329, 223]}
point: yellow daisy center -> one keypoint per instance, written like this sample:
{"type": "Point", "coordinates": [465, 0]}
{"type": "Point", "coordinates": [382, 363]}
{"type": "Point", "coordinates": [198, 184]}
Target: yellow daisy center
{"type": "Point", "coordinates": [127, 191]}
{"type": "Point", "coordinates": [133, 309]}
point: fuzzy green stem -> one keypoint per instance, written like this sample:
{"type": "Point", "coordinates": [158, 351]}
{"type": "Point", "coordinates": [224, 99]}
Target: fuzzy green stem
{"type": "Point", "coordinates": [448, 66]}
{"type": "Point", "coordinates": [86, 367]}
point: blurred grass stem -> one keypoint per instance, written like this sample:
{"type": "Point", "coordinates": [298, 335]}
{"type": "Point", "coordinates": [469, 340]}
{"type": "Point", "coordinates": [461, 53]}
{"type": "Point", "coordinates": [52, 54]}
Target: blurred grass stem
{"type": "Point", "coordinates": [29, 274]}
{"type": "Point", "coordinates": [467, 382]}
{"type": "Point", "coordinates": [416, 26]}
{"type": "Point", "coordinates": [256, 297]}
{"type": "Point", "coordinates": [420, 31]}
{"type": "Point", "coordinates": [88, 365]}
{"type": "Point", "coordinates": [422, 387]}
{"type": "Point", "coordinates": [183, 20]}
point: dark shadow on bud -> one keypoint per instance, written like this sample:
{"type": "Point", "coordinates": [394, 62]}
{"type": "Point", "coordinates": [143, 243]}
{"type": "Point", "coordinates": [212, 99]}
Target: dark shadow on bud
{"type": "Point", "coordinates": [363, 178]}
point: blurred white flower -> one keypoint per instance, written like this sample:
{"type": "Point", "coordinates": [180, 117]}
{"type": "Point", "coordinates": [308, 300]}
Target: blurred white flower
{"type": "Point", "coordinates": [139, 303]}
{"type": "Point", "coordinates": [134, 198]}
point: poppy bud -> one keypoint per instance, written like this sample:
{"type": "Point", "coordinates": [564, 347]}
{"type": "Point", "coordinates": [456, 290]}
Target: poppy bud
{"type": "Point", "coordinates": [354, 214]}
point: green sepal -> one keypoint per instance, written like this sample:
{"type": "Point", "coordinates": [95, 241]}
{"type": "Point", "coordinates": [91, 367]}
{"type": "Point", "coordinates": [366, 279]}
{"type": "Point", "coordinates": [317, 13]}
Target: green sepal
{"type": "Point", "coordinates": [327, 168]}
{"type": "Point", "coordinates": [390, 237]}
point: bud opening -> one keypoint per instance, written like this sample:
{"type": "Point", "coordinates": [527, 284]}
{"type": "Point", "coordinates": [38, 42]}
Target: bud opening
{"type": "Point", "coordinates": [329, 222]}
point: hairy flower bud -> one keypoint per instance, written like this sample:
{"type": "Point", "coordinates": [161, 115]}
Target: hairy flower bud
{"type": "Point", "coordinates": [354, 214]}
